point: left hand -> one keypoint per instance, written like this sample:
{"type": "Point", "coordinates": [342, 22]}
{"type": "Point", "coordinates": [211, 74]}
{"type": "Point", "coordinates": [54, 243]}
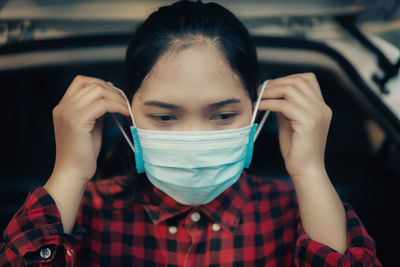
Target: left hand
{"type": "Point", "coordinates": [303, 122]}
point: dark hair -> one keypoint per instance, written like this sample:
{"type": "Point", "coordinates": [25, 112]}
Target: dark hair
{"type": "Point", "coordinates": [181, 25]}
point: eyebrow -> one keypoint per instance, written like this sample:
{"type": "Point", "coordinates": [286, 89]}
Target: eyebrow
{"type": "Point", "coordinates": [171, 106]}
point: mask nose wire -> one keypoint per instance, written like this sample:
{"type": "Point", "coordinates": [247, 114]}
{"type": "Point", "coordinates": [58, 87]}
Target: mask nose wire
{"type": "Point", "coordinates": [255, 112]}
{"type": "Point", "coordinates": [119, 125]}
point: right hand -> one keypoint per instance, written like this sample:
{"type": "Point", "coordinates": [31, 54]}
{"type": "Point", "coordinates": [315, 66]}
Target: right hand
{"type": "Point", "coordinates": [78, 125]}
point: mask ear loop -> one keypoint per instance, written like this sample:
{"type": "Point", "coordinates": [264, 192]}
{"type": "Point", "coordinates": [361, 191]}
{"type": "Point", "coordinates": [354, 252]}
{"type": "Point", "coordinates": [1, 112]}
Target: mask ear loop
{"type": "Point", "coordinates": [119, 125]}
{"type": "Point", "coordinates": [255, 112]}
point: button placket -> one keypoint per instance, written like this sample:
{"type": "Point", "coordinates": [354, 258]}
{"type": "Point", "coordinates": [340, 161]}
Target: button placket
{"type": "Point", "coordinates": [197, 229]}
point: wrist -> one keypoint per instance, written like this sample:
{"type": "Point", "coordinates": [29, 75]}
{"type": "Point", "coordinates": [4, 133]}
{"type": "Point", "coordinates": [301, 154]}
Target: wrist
{"type": "Point", "coordinates": [313, 175]}
{"type": "Point", "coordinates": [65, 183]}
{"type": "Point", "coordinates": [67, 192]}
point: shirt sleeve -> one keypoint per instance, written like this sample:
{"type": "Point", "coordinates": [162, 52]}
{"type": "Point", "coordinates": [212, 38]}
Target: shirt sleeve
{"type": "Point", "coordinates": [361, 250]}
{"type": "Point", "coordinates": [35, 235]}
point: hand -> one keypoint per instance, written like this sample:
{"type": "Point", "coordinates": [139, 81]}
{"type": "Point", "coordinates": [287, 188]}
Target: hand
{"type": "Point", "coordinates": [303, 122]}
{"type": "Point", "coordinates": [78, 125]}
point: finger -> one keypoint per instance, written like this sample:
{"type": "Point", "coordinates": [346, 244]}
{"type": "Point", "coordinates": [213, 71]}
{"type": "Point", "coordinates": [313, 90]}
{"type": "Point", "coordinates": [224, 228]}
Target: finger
{"type": "Point", "coordinates": [106, 85]}
{"type": "Point", "coordinates": [79, 82]}
{"type": "Point", "coordinates": [100, 107]}
{"type": "Point", "coordinates": [291, 111]}
{"type": "Point", "coordinates": [82, 91]}
{"type": "Point", "coordinates": [311, 79]}
{"type": "Point", "coordinates": [290, 93]}
{"type": "Point", "coordinates": [306, 82]}
{"type": "Point", "coordinates": [96, 91]}
{"type": "Point", "coordinates": [304, 87]}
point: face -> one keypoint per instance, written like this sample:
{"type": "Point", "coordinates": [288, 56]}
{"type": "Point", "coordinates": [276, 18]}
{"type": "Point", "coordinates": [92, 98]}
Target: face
{"type": "Point", "coordinates": [191, 90]}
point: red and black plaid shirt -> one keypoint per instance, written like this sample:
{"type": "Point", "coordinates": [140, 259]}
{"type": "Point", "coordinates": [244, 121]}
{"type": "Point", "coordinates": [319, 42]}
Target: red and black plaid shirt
{"type": "Point", "coordinates": [255, 222]}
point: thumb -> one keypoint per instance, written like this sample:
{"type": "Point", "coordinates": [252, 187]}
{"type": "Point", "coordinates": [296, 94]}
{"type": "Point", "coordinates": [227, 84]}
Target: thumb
{"type": "Point", "coordinates": [98, 135]}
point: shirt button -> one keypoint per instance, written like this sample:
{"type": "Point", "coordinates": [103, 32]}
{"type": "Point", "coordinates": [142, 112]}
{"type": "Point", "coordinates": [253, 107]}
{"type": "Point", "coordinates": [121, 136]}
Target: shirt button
{"type": "Point", "coordinates": [215, 227]}
{"type": "Point", "coordinates": [45, 253]}
{"type": "Point", "coordinates": [172, 229]}
{"type": "Point", "coordinates": [195, 216]}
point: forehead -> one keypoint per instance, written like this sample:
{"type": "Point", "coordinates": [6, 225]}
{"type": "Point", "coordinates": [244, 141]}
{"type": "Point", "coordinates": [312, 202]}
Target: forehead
{"type": "Point", "coordinates": [197, 72]}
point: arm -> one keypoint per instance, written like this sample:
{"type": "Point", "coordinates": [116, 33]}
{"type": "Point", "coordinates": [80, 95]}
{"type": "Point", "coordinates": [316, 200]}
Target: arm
{"type": "Point", "coordinates": [42, 230]}
{"type": "Point", "coordinates": [67, 194]}
{"type": "Point", "coordinates": [360, 250]}
{"type": "Point", "coordinates": [321, 210]}
{"type": "Point", "coordinates": [303, 122]}
{"type": "Point", "coordinates": [78, 125]}
{"type": "Point", "coordinates": [35, 235]}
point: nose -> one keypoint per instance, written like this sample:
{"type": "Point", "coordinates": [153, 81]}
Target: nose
{"type": "Point", "coordinates": [193, 126]}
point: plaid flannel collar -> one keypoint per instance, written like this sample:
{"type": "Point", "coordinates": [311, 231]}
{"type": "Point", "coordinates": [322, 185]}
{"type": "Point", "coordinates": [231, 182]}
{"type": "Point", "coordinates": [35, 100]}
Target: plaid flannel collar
{"type": "Point", "coordinates": [224, 210]}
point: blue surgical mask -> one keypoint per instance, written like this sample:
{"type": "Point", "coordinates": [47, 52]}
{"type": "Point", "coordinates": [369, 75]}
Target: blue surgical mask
{"type": "Point", "coordinates": [194, 167]}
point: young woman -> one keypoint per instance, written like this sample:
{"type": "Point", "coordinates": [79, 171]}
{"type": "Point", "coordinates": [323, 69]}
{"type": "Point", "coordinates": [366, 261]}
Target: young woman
{"type": "Point", "coordinates": [192, 90]}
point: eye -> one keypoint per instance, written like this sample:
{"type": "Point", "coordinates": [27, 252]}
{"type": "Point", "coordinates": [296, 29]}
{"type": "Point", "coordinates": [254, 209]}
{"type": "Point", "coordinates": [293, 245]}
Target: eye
{"type": "Point", "coordinates": [225, 116]}
{"type": "Point", "coordinates": [163, 118]}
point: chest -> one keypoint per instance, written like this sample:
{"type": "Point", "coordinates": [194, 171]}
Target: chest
{"type": "Point", "coordinates": [189, 239]}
